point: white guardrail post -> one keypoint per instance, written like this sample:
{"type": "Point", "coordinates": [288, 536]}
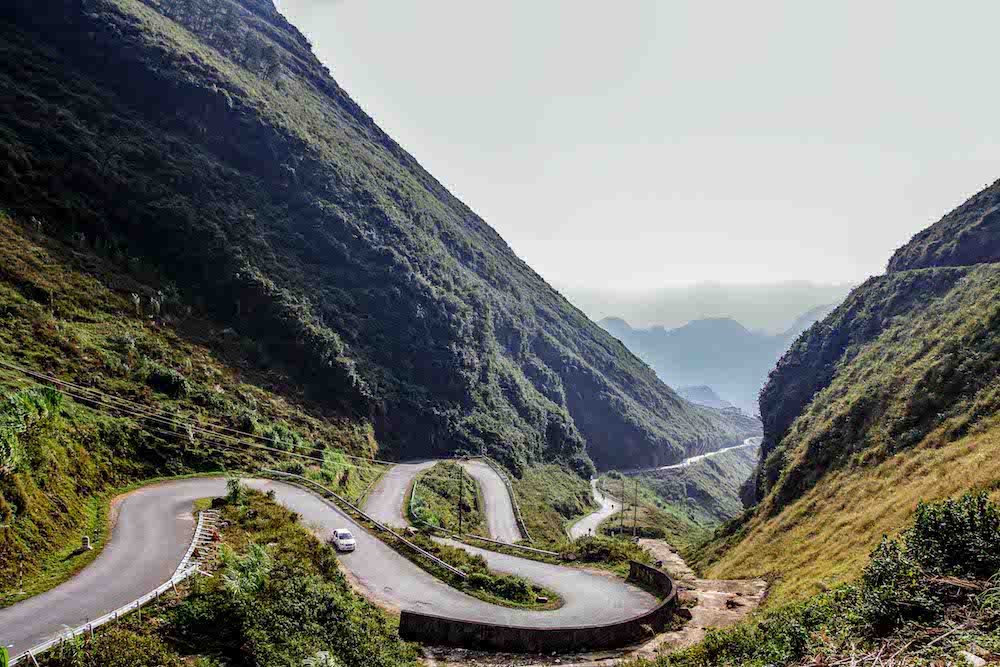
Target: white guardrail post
{"type": "Point", "coordinates": [189, 566]}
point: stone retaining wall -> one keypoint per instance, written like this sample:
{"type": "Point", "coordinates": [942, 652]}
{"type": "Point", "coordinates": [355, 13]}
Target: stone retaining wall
{"type": "Point", "coordinates": [438, 630]}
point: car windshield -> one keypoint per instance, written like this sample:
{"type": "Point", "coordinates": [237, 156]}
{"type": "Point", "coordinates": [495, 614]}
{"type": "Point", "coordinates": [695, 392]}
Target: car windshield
{"type": "Point", "coordinates": [345, 535]}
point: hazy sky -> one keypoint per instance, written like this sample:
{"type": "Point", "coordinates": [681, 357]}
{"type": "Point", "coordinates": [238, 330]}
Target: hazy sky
{"type": "Point", "coordinates": [648, 143]}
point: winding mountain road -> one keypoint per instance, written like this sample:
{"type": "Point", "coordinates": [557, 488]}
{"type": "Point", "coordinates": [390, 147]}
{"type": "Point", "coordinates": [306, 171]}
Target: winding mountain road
{"type": "Point", "coordinates": [608, 506]}
{"type": "Point", "coordinates": [589, 523]}
{"type": "Point", "coordinates": [155, 525]}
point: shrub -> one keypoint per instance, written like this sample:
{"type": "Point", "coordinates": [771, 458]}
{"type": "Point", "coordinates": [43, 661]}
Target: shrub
{"type": "Point", "coordinates": [598, 549]}
{"type": "Point", "coordinates": [957, 537]}
{"type": "Point", "coordinates": [893, 591]}
{"type": "Point", "coordinates": [292, 467]}
{"type": "Point", "coordinates": [236, 493]}
{"type": "Point", "coordinates": [168, 381]}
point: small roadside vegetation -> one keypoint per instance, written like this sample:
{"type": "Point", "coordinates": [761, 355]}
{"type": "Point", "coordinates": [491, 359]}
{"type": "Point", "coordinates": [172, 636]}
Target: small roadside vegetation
{"type": "Point", "coordinates": [503, 589]}
{"type": "Point", "coordinates": [924, 598]}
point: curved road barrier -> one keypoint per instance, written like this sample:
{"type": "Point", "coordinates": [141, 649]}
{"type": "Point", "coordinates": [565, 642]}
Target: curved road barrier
{"type": "Point", "coordinates": [435, 629]}
{"type": "Point", "coordinates": [188, 567]}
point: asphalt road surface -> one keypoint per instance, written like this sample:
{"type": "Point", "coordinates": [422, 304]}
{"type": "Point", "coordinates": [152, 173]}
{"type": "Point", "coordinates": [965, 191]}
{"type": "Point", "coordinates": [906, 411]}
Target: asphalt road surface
{"type": "Point", "coordinates": [500, 520]}
{"type": "Point", "coordinates": [589, 523]}
{"type": "Point", "coordinates": [386, 503]}
{"type": "Point", "coordinates": [154, 529]}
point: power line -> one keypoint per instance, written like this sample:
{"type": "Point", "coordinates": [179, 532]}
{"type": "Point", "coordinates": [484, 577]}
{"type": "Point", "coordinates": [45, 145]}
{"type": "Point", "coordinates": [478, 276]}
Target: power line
{"type": "Point", "coordinates": [111, 399]}
{"type": "Point", "coordinates": [163, 418]}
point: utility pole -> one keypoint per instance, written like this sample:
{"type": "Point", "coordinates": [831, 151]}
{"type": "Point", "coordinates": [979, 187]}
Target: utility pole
{"type": "Point", "coordinates": [635, 509]}
{"type": "Point", "coordinates": [461, 497]}
{"type": "Point", "coordinates": [621, 527]}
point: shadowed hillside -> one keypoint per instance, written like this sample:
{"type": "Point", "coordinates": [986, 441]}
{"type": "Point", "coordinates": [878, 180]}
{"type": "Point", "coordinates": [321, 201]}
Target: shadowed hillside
{"type": "Point", "coordinates": [203, 143]}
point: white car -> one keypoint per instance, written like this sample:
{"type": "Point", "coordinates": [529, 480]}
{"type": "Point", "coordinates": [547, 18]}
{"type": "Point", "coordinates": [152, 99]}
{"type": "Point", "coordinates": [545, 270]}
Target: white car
{"type": "Point", "coordinates": [342, 540]}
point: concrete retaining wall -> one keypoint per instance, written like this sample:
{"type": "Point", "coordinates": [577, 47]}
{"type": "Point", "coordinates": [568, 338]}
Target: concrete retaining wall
{"type": "Point", "coordinates": [437, 630]}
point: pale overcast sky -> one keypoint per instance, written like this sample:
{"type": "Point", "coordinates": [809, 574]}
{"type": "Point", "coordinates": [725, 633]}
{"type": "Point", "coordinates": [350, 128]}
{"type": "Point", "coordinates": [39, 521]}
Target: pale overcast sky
{"type": "Point", "coordinates": [648, 143]}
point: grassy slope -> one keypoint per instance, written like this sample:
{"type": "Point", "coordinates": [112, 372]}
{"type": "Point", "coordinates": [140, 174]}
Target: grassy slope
{"type": "Point", "coordinates": [824, 537]}
{"type": "Point", "coordinates": [655, 518]}
{"type": "Point", "coordinates": [708, 491]}
{"type": "Point", "coordinates": [890, 399]}
{"type": "Point", "coordinates": [438, 494]}
{"type": "Point", "coordinates": [59, 319]}
{"type": "Point", "coordinates": [282, 208]}
{"type": "Point", "coordinates": [551, 498]}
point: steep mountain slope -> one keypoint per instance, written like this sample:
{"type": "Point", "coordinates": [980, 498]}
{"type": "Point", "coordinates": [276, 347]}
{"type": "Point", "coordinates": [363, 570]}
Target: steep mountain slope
{"type": "Point", "coordinates": [202, 142]}
{"type": "Point", "coordinates": [892, 398]}
{"type": "Point", "coordinates": [720, 352]}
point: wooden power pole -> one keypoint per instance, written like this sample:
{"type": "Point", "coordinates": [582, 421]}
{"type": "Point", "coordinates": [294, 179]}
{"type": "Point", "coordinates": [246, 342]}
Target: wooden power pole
{"type": "Point", "coordinates": [461, 497]}
{"type": "Point", "coordinates": [635, 509]}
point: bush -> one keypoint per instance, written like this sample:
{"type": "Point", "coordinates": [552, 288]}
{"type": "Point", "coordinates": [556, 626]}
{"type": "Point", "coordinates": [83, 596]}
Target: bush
{"type": "Point", "coordinates": [503, 586]}
{"type": "Point", "coordinates": [116, 646]}
{"type": "Point", "coordinates": [598, 549]}
{"type": "Point", "coordinates": [168, 381]}
{"type": "Point", "coordinates": [893, 590]}
{"type": "Point", "coordinates": [957, 537]}
{"type": "Point", "coordinates": [292, 467]}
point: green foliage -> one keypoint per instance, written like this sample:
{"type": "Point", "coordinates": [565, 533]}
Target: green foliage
{"type": "Point", "coordinates": [551, 496]}
{"type": "Point", "coordinates": [19, 412]}
{"type": "Point", "coordinates": [893, 591]}
{"type": "Point", "coordinates": [115, 646]}
{"type": "Point", "coordinates": [503, 586]}
{"type": "Point", "coordinates": [246, 574]}
{"type": "Point", "coordinates": [599, 549]}
{"type": "Point", "coordinates": [168, 380]}
{"type": "Point", "coordinates": [284, 438]}
{"type": "Point", "coordinates": [441, 491]}
{"type": "Point", "coordinates": [957, 537]}
{"type": "Point", "coordinates": [897, 596]}
{"type": "Point", "coordinates": [236, 491]}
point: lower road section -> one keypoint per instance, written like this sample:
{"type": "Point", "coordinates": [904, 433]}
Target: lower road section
{"type": "Point", "coordinates": [588, 524]}
{"type": "Point", "coordinates": [155, 525]}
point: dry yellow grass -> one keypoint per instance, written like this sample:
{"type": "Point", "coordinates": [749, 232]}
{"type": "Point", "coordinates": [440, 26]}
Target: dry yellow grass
{"type": "Point", "coordinates": [825, 537]}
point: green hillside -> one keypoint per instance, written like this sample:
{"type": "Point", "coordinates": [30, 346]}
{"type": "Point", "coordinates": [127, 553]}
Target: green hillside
{"type": "Point", "coordinates": [890, 399]}
{"type": "Point", "coordinates": [203, 144]}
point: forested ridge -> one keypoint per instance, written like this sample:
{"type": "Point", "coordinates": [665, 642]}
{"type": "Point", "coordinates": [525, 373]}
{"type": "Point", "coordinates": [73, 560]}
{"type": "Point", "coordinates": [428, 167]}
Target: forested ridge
{"type": "Point", "coordinates": [205, 144]}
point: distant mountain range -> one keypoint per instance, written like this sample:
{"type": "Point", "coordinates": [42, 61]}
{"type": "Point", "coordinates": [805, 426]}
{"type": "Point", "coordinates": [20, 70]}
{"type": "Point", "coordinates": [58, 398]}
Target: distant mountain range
{"type": "Point", "coordinates": [771, 308]}
{"type": "Point", "coordinates": [718, 362]}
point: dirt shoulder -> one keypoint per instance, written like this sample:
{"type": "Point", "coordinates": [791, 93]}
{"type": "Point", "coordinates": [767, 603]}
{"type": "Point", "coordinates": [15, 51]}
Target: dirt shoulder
{"type": "Point", "coordinates": [718, 603]}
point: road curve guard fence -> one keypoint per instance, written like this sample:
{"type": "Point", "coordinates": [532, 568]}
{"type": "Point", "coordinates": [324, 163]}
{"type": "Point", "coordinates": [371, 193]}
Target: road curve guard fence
{"type": "Point", "coordinates": [187, 568]}
{"type": "Point", "coordinates": [441, 630]}
{"type": "Point", "coordinates": [426, 554]}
